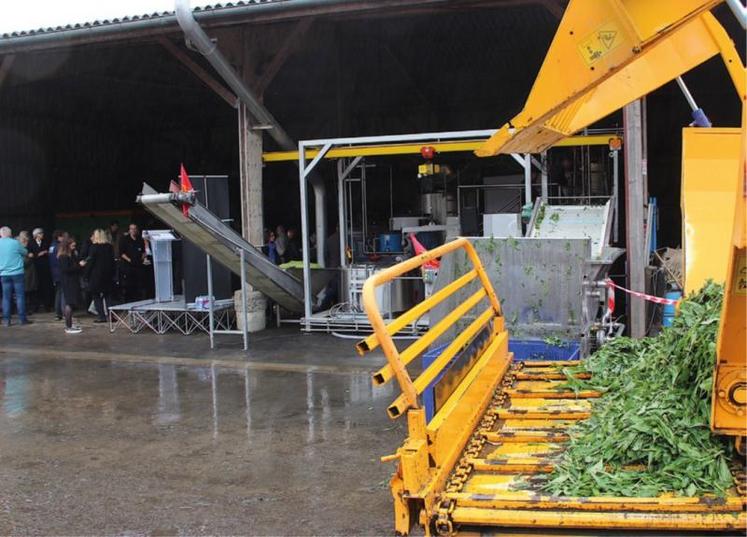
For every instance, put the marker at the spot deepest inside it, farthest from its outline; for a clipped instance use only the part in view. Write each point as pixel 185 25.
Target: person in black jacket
pixel 70 267
pixel 39 247
pixel 132 255
pixel 99 270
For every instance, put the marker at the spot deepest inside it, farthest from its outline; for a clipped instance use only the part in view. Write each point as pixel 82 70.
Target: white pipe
pixel 304 237
pixel 527 179
pixel 686 92
pixel 320 215
pixel 740 12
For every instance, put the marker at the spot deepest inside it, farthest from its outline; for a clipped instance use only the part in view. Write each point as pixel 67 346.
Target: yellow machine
pixel 500 421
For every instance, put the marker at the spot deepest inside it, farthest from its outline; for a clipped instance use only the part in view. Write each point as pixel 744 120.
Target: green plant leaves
pixel 649 433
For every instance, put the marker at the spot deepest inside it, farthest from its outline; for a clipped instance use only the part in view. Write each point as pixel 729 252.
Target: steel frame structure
pixel 357 147
pixel 311 152
pixel 161 318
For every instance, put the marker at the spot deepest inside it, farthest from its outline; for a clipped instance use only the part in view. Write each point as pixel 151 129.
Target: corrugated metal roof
pixel 131 19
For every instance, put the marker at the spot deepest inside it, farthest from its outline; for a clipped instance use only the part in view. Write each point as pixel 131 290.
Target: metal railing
pixel 383 334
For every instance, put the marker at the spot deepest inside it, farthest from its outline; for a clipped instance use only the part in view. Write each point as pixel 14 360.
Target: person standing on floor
pixel 84 254
pixel 39 247
pixel 132 255
pixel 100 271
pixel 281 243
pixel 272 251
pixel 293 249
pixel 12 256
pixel 30 279
pixel 54 269
pixel 116 236
pixel 70 267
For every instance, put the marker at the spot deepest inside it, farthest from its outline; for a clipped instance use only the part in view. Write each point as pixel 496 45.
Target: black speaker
pixel 212 192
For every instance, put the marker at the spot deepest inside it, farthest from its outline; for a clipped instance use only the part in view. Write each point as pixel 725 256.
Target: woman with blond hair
pixel 100 270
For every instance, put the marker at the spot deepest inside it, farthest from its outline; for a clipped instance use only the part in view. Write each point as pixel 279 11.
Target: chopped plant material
pixel 555 341
pixel 649 432
pixel 540 217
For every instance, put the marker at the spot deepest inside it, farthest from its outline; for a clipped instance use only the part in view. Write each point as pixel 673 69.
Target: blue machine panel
pixel 524 349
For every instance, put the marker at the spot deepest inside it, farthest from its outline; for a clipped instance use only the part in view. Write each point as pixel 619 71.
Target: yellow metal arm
pixel 606 54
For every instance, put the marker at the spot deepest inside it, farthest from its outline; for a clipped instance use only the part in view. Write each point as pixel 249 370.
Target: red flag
pixel 186 186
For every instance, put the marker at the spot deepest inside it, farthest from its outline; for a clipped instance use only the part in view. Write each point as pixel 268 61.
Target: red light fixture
pixel 428 152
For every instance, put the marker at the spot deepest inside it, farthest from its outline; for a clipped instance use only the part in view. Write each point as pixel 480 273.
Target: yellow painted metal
pixel 372 341
pixel 529 435
pixel 606 54
pixel 547 375
pixel 512 465
pixel 729 404
pixel 525 449
pixel 504 425
pixel 710 179
pixel 397 362
pixel 424 466
pixel 523 499
pixel 609 519
pixel 434 370
pixel 453 424
pixel 383 375
pixel 414 149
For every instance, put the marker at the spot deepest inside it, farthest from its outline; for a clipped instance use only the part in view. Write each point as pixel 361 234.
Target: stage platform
pixel 177 315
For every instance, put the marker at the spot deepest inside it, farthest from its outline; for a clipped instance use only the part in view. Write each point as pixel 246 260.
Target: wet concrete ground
pixel 158 435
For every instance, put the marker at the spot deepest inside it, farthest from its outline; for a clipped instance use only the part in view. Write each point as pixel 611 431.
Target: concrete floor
pixel 157 435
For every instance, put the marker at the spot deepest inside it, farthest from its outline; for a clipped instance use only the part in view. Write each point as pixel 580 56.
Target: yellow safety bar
pixel 433 447
pixel 382 333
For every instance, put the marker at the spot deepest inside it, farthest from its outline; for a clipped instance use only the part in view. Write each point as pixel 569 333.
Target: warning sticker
pixel 597 45
pixel 739 285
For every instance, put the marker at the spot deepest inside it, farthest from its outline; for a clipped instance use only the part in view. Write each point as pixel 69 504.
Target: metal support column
pixel 303 173
pixel 543 160
pixel 635 213
pixel 304 237
pixel 211 318
pixel 341 210
pixel 244 305
pixel 527 179
pixel 615 154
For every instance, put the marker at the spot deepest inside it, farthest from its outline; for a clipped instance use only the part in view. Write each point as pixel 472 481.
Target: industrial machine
pixel 498 422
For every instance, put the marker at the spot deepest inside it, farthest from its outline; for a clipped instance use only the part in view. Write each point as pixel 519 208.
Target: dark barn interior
pixel 81 126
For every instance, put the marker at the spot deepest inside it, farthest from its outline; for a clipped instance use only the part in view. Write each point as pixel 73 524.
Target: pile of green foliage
pixel 649 433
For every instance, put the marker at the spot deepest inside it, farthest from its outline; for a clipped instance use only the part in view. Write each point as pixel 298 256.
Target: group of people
pixel 57 275
pixel 282 246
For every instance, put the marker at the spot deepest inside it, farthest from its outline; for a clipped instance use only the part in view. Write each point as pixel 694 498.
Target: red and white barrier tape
pixel 644 296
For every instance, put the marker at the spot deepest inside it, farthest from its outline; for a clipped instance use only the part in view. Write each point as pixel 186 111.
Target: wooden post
pixel 635 214
pixel 250 155
pixel 250 189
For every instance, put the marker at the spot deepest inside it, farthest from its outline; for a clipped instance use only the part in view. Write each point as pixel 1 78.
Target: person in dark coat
pixel 31 281
pixel 100 269
pixel 39 248
pixel 54 271
pixel 70 267
pixel 132 255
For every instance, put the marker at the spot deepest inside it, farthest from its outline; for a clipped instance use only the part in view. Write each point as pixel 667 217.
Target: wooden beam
pixel 5 67
pixel 287 48
pixel 199 72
